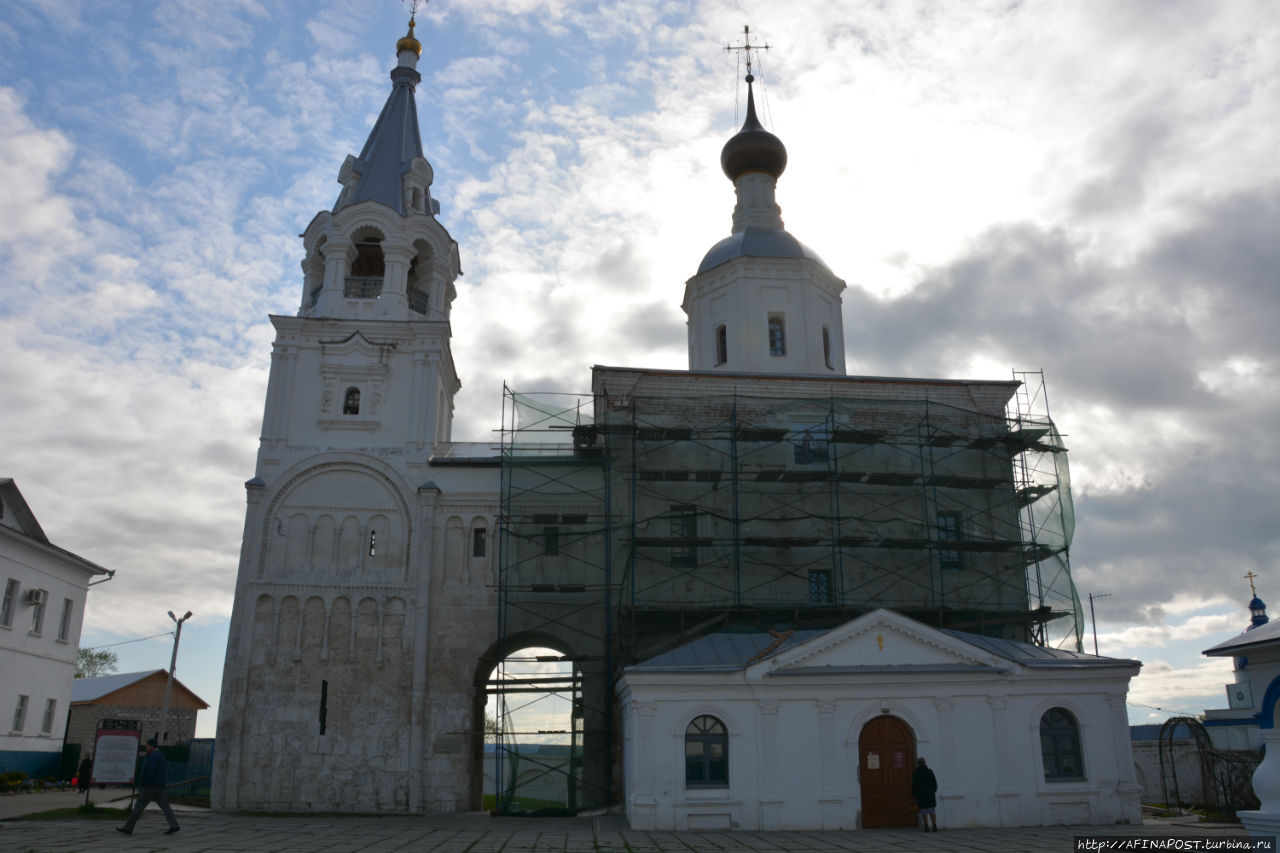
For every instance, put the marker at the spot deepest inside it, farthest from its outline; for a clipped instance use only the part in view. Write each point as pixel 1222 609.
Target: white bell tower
pixel 353 528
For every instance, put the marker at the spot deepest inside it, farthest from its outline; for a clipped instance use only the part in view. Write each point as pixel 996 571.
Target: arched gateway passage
pixel 886 757
pixel 536 745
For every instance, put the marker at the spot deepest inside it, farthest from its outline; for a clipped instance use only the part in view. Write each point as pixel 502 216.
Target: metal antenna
pixel 1093 597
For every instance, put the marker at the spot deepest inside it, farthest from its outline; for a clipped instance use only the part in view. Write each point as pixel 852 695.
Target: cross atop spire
pixel 746 47
pixel 1250 576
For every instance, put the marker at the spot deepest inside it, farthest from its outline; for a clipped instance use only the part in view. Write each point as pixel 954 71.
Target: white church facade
pixel 869 534
pixel 822 729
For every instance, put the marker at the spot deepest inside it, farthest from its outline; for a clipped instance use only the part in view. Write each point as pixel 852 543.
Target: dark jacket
pixel 923 787
pixel 154 771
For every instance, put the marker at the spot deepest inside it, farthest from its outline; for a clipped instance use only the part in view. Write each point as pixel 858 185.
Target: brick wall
pixel 82 723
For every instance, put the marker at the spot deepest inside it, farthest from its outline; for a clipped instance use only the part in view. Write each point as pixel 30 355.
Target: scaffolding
pixel 632 522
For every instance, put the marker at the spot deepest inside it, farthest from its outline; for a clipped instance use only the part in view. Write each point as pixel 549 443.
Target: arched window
pixel 1060 746
pixel 722 344
pixel 826 346
pixel 351 402
pixel 706 753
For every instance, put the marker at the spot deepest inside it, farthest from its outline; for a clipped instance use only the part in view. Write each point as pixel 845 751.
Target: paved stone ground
pixel 208 832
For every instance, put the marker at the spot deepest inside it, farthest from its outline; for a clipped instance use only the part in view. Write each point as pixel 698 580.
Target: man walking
pixel 151 787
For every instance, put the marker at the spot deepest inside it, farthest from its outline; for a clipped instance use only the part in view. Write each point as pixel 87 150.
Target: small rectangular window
pixel 826 346
pixel 478 542
pixel 551 541
pixel 777 334
pixel 20 714
pixel 324 704
pixel 948 531
pixel 64 622
pixel 683 522
pixel 50 708
pixel 373 543
pixel 10 602
pixel 820 586
pixel 722 344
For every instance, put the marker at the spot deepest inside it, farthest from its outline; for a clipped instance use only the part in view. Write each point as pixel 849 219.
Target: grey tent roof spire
pixel 393 143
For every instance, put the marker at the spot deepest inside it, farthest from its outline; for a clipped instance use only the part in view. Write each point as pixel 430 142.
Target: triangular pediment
pixel 884 640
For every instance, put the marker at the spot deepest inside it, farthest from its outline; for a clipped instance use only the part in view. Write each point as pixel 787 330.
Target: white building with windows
pixel 45 588
pixel 821 730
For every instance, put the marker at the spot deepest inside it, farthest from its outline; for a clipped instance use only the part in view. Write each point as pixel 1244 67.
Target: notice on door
pixel 873 761
pixel 899 759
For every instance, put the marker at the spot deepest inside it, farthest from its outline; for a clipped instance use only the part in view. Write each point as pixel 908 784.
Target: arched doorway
pixel 886 757
pixel 532 737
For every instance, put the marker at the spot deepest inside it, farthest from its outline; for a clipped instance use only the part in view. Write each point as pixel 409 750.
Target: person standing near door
pixel 924 787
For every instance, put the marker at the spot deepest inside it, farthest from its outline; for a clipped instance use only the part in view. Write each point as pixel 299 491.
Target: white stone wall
pixel 38 664
pixel 392 648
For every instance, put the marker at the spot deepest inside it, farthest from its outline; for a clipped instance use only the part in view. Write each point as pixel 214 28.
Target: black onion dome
pixel 753 149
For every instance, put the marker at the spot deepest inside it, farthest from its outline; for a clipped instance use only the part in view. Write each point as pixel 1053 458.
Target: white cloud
pixel 32 158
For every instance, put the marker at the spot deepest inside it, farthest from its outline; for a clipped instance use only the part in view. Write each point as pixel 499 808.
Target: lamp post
pixel 173 664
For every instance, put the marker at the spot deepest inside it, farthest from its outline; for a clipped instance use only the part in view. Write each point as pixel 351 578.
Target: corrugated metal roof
pixel 725 650
pixel 88 689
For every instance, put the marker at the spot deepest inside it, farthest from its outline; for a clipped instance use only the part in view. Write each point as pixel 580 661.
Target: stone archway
pixel 522 657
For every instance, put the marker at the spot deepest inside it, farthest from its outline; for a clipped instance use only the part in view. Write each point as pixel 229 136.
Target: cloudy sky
pixel 1089 188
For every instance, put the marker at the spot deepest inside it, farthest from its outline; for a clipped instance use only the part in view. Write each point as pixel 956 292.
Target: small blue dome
pixel 756 242
pixel 1258 608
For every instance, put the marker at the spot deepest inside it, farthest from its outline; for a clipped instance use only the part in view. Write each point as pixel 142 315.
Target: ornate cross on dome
pixel 746 47
pixel 1250 576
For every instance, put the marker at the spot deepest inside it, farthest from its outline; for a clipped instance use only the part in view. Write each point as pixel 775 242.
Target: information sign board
pixel 115 756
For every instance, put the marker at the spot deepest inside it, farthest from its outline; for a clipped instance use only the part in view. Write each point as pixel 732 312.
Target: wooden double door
pixel 886 759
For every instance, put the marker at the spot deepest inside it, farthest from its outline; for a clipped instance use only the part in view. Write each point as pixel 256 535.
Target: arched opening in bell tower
pixel 419 283
pixel 368 267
